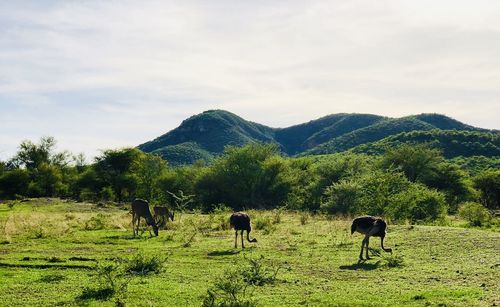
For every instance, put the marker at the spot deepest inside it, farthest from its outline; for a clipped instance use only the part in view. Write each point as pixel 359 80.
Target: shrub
pixel 264 224
pixel 107 194
pixel 474 213
pixel 417 203
pixel 88 195
pixel 342 197
pixel 277 213
pixel 304 218
pixel 97 222
pixel 258 274
pixel 393 261
pixel 52 278
pixel 144 265
pixel 228 290
pixel 110 283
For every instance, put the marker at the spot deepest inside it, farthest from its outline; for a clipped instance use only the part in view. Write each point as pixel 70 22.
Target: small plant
pixel 264 224
pixel 474 213
pixel 228 290
pixel 97 222
pixel 144 265
pixel 101 294
pixel 257 273
pixel 110 284
pixel 37 233
pixel 277 213
pixel 219 217
pixel 393 261
pixel 304 218
pixel 51 278
pixel 189 239
pixel 181 201
pixel 54 259
pixel 418 297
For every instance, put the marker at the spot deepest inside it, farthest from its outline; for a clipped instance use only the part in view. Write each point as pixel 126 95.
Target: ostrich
pixel 241 221
pixel 140 208
pixel 371 227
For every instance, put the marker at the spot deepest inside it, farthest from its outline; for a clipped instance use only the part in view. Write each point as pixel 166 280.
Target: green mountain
pixel 204 136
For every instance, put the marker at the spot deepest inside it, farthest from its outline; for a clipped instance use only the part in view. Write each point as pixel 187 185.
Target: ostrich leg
pixel 367 242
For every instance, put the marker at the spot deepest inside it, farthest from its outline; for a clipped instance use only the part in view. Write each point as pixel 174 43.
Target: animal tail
pixel 353 227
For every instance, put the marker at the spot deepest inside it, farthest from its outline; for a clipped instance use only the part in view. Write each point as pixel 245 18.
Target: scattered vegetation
pixel 298 264
pixel 141 264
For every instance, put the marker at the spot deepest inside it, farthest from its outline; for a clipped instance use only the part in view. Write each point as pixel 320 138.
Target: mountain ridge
pixel 204 135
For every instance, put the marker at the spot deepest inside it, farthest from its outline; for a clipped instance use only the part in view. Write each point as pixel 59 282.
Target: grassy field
pixel 60 253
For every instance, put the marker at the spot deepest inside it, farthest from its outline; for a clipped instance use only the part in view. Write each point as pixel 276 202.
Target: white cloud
pixel 111 73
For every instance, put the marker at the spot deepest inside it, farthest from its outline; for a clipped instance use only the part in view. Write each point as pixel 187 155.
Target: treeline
pixel 410 182
pixel 453 143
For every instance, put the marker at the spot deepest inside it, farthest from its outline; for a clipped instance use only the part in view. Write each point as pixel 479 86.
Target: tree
pixel 14 182
pixel 32 155
pixel 240 180
pixel 115 169
pixel 416 161
pixel 44 166
pixel 149 169
pixel 488 184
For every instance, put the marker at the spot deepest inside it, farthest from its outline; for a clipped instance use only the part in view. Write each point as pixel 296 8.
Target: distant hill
pixel 204 136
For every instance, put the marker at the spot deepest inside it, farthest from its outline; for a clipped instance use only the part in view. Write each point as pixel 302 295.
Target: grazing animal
pixel 140 208
pixel 240 221
pixel 370 226
pixel 161 215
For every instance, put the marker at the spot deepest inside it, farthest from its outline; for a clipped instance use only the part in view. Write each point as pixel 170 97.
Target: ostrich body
pixel 240 221
pixel 140 208
pixel 370 226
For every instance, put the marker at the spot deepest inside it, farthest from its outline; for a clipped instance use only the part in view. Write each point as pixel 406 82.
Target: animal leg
pixel 236 239
pixel 138 224
pixel 362 246
pixel 133 224
pixel 367 242
pixel 242 244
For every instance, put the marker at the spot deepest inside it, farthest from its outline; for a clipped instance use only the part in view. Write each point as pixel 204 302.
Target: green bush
pixel 144 265
pixel 88 195
pixel 97 222
pixel 342 197
pixel 257 273
pixel 416 203
pixel 474 213
pixel 228 290
pixel 107 194
pixel 264 223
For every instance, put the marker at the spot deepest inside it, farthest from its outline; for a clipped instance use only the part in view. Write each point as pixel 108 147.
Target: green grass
pixel 47 257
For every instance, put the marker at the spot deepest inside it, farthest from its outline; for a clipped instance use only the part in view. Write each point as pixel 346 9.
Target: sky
pixel 99 75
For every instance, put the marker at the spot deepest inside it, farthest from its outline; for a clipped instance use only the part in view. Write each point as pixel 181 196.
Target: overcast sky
pixel 107 74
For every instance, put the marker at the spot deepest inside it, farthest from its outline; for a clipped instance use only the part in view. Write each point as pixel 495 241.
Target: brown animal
pixel 371 227
pixel 161 216
pixel 240 221
pixel 140 208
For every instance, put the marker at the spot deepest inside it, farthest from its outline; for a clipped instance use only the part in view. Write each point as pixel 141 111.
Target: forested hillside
pixel 452 143
pixel 204 136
